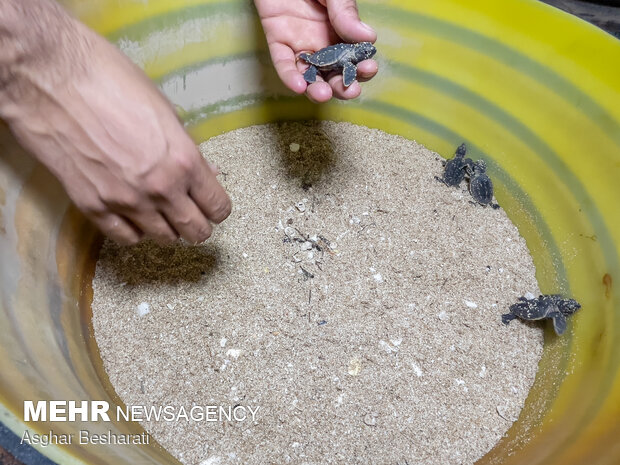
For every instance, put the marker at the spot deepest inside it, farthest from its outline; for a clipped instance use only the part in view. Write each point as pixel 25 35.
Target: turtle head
pixel 480 167
pixel 461 151
pixel 364 51
pixel 568 306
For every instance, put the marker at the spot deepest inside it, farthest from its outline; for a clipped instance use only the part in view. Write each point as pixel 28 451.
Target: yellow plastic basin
pixel 533 91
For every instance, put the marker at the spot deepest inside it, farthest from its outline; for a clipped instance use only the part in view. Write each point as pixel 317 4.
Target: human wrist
pixel 41 48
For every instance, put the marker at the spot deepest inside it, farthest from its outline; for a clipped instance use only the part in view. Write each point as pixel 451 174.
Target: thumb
pixel 345 20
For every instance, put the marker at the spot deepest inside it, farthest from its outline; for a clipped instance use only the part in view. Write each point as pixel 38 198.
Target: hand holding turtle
pixel 293 27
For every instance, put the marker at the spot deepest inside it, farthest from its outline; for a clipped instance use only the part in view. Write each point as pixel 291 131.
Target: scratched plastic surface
pixel 531 90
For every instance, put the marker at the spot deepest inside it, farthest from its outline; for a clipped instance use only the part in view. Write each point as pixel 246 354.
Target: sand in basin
pixel 351 297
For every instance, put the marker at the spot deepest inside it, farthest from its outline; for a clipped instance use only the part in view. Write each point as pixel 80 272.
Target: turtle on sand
pixel 554 307
pixel 454 170
pixel 339 57
pixel 480 185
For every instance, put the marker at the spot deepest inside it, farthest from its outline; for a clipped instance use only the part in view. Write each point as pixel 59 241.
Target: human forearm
pixel 41 45
pixel 97 122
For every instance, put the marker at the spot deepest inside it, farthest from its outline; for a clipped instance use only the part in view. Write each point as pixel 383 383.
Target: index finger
pixel 284 62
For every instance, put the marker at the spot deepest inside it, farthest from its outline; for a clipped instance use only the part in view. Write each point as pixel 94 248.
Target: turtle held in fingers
pixel 339 57
pixel 554 307
pixel 480 185
pixel 454 171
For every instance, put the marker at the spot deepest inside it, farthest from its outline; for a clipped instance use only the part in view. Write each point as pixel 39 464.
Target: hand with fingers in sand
pixel 296 26
pixel 103 129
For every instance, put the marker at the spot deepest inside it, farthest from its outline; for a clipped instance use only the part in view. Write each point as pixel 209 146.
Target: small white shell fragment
pixel 306 245
pixel 300 206
pixel 416 369
pixel 234 353
pixel 340 236
pixel 388 348
pixel 442 315
pixel 459 382
pixel 370 419
pixel 396 341
pixel 529 296
pixel 143 309
pixel 245 255
pixel 355 366
pixel 214 460
pixel 170 306
pixel 483 371
pixel 223 342
pixel 471 304
pixel 378 277
pixel 294 147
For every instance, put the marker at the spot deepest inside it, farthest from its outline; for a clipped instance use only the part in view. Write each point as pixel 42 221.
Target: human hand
pixel 296 26
pixel 118 148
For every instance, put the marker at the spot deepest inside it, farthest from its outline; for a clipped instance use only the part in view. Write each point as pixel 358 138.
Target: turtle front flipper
pixel 349 74
pixel 508 317
pixel 310 74
pixel 559 322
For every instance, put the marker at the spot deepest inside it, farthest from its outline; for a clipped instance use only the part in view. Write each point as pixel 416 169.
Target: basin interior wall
pixel 531 90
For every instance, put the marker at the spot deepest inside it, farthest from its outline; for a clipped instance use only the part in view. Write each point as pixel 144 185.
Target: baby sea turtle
pixel 339 57
pixel 553 306
pixel 454 171
pixel 480 185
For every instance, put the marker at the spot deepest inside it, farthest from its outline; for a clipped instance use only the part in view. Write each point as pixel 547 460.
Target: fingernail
pixel 214 168
pixel 367 27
